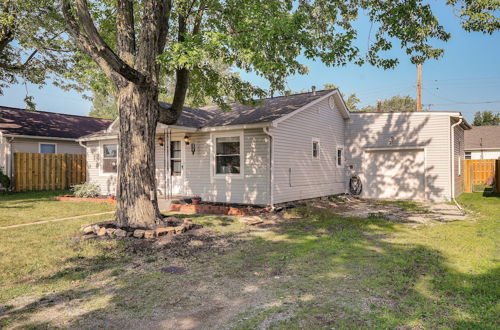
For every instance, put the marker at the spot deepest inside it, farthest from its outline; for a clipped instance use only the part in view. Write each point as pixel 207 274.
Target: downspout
pixel 11 161
pixel 271 167
pixel 453 161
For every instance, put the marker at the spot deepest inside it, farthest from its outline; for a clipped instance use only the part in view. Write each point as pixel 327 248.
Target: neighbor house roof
pixel 15 121
pixel 482 137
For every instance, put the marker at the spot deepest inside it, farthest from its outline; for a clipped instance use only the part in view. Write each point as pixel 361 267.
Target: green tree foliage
pixel 32 46
pixel 478 15
pixel 395 103
pixel 486 118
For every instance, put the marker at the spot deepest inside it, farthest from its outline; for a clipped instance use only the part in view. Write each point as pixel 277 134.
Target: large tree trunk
pixel 136 189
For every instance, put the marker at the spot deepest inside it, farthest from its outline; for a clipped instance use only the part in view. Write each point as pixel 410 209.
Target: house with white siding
pixel 296 147
pixel 46 132
pixel 482 142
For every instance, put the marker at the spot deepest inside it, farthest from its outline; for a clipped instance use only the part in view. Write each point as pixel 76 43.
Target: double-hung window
pixel 109 158
pixel 228 155
pixel 468 155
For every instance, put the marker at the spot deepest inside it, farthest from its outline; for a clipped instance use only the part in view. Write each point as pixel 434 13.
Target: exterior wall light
pixel 187 139
pixel 161 141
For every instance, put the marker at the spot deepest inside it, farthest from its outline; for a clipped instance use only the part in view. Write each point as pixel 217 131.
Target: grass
pixel 315 270
pixel 25 207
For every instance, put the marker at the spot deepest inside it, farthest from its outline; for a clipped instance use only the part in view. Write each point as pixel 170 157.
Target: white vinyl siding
pixel 250 188
pixel 33 146
pixel 394 130
pixel 253 188
pixel 296 174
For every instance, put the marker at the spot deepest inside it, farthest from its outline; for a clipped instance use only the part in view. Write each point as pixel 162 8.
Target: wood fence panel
pixel 34 171
pixel 478 171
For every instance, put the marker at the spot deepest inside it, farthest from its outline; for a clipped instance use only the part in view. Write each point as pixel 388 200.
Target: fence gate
pixel 478 175
pixel 34 171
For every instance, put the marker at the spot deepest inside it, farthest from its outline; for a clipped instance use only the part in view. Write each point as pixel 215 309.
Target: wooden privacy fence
pixel 477 173
pixel 33 171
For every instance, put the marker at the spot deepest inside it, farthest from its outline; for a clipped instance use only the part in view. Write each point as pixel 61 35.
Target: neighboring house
pixel 296 147
pixel 482 142
pixel 42 132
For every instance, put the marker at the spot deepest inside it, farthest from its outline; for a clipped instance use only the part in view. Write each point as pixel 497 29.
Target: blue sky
pixel 467 74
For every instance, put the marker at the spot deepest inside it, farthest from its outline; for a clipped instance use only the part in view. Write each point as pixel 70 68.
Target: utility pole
pixel 419 87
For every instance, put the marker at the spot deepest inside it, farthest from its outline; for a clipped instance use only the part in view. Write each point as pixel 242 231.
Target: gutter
pixel 452 132
pixel 39 137
pixel 271 167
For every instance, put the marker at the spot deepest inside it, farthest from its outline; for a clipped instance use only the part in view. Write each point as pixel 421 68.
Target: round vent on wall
pixel 331 102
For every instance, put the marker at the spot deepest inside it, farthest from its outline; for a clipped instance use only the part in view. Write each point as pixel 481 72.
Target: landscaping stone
pixel 101 232
pixel 139 233
pixel 149 234
pixel 110 231
pixel 164 231
pixel 120 233
pixel 88 230
pixel 130 233
pixel 180 229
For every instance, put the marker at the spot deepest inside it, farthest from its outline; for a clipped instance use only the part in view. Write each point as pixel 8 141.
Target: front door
pixel 176 168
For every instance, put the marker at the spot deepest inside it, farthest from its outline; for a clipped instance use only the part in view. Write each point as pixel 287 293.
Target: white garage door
pixel 396 174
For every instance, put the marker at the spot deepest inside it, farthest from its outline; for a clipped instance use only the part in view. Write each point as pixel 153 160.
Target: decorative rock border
pixel 214 209
pixel 108 228
pixel 107 200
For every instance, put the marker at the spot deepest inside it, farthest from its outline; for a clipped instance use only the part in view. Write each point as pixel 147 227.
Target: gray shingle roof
pixel 482 137
pixel 265 111
pixel 17 121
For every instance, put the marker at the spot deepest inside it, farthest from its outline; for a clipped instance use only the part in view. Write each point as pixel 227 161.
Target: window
pixel 227 155
pixel 175 158
pixel 109 158
pixel 468 155
pixel 340 156
pixel 315 148
pixel 47 148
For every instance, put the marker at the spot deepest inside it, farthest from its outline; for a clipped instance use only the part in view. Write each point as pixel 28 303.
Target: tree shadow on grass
pixel 317 271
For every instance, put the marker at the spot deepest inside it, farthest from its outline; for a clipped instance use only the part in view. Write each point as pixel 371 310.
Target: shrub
pixel 4 179
pixel 86 190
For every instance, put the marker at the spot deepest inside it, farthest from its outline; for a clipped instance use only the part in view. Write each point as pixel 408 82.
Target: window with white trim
pixel 175 158
pixel 109 158
pixel 315 149
pixel 47 148
pixel 468 155
pixel 227 155
pixel 340 156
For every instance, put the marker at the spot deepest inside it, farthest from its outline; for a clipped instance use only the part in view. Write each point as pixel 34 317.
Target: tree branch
pixel 126 30
pixel 164 23
pixel 91 42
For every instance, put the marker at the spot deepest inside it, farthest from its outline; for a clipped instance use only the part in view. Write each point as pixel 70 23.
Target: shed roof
pixel 482 137
pixel 15 121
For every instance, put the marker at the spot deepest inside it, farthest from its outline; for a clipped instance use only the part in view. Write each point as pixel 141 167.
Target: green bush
pixel 4 179
pixel 86 190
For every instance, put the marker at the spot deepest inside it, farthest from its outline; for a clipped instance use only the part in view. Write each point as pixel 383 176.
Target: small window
pixel 109 155
pixel 175 158
pixel 468 155
pixel 340 157
pixel 47 148
pixel 315 149
pixel 227 155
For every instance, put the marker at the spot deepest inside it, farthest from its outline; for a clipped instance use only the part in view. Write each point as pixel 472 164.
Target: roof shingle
pixel 482 137
pixel 17 121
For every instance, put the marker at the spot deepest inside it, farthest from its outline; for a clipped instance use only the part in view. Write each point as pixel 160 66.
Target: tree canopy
pixel 486 118
pixel 395 103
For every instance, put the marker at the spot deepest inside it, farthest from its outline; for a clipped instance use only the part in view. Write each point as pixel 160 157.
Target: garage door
pixel 394 174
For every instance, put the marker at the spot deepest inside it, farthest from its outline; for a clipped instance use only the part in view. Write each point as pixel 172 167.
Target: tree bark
pixel 136 187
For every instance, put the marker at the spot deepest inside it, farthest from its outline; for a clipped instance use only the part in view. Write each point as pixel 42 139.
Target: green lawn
pixel 16 208
pixel 314 270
